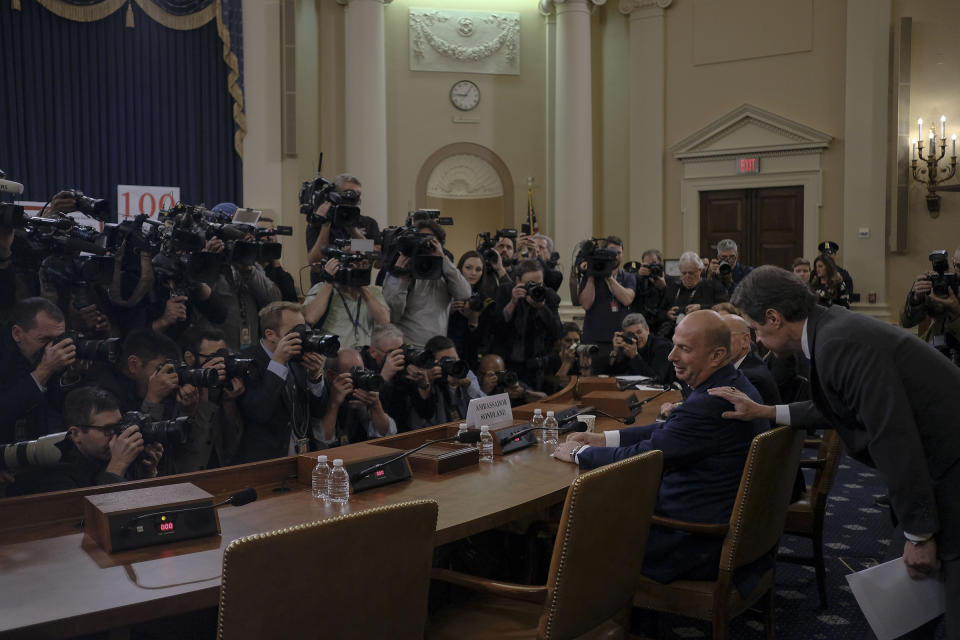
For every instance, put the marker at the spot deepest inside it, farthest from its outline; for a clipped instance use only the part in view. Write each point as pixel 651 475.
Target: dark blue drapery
pixel 90 105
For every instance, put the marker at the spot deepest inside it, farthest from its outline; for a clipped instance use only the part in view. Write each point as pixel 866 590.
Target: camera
pixel 416 246
pixel 536 291
pixel 453 368
pixel 237 367
pixel 12 215
pixel 165 432
pixel 417 357
pixel 96 208
pixel 42 452
pixel 326 344
pixel 354 268
pixel 589 349
pixel 594 261
pixel 107 350
pixel 344 209
pixel 421 215
pixel 506 378
pixel 655 268
pixel 628 337
pixel 725 267
pixel 365 379
pixel 942 281
pixel 204 378
pixel 478 301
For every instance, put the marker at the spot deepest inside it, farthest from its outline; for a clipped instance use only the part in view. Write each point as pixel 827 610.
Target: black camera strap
pixel 355 321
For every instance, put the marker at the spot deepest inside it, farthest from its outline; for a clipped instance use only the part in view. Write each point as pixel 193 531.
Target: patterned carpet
pixel 856 535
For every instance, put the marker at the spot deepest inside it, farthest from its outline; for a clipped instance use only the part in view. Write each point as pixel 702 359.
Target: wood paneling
pixel 766 224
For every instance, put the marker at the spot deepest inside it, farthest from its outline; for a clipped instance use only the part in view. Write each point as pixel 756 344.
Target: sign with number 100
pixel 132 200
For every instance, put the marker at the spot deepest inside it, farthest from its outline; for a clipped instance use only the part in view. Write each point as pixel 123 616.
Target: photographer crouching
pixel 527 323
pixel 934 297
pixel 353 411
pixel 33 361
pixel 99 447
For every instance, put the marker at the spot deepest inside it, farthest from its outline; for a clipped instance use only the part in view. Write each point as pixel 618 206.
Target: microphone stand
pixel 380 465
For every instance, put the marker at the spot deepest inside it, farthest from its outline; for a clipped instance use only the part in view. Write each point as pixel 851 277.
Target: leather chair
pixel 753 532
pixel 360 575
pixel 593 573
pixel 805 517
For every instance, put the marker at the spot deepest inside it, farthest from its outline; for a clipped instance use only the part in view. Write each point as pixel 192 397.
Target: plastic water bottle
pixel 551 432
pixel 321 478
pixel 535 422
pixel 339 491
pixel 486 444
pixel 462 430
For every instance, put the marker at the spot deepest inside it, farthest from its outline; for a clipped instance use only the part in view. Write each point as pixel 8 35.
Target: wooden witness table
pixel 55 582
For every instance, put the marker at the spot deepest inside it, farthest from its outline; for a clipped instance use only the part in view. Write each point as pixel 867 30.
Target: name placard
pixel 492 410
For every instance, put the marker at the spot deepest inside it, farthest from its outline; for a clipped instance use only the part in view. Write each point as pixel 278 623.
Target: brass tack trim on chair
pixel 300 527
pixel 735 530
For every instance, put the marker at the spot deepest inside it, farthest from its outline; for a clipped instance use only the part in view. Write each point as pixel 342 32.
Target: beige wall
pixel 934 91
pixel 806 87
pixel 420 116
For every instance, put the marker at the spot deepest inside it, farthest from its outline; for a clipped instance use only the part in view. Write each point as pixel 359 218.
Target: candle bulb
pixel 953 138
pixel 920 128
pixel 943 127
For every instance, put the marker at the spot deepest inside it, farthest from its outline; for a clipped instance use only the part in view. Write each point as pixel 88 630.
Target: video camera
pixel 354 268
pixel 486 243
pixel 344 209
pixel 942 281
pixel 594 261
pixel 409 242
pixel 96 208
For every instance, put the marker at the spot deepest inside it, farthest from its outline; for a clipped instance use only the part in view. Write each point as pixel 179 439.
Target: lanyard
pixel 354 321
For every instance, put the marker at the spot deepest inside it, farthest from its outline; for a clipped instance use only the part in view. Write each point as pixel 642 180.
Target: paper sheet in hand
pixel 894 603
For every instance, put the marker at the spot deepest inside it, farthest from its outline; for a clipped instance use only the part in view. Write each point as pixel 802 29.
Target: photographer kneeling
pixel 439 390
pixel 638 353
pixel 353 411
pixel 95 450
pixel 495 379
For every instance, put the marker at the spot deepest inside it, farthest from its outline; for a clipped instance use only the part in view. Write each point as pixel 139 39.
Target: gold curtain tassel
pixel 129 16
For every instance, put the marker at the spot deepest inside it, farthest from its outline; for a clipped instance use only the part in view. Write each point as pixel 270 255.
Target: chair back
pixel 760 510
pixel 360 575
pixel 829 451
pixel 598 554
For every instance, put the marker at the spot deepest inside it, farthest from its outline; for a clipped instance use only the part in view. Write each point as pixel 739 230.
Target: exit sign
pixel 748 165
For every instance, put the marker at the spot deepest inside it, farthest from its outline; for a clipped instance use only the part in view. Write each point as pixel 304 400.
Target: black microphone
pixel 467 437
pixel 635 406
pixel 238 499
pixel 569 426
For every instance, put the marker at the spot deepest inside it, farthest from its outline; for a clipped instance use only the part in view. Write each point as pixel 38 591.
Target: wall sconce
pixel 933 174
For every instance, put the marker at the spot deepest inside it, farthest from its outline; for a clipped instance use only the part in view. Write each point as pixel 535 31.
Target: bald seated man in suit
pixel 703 453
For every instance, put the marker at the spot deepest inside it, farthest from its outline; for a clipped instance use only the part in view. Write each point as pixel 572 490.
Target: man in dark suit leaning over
pixel 891 398
pixel 703 454
pixel 276 406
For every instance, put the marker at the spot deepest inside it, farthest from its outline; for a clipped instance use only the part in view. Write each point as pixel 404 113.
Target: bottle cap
pixel 321 458
pixel 484 428
pixel 463 425
pixel 537 412
pixel 338 462
pixel 549 414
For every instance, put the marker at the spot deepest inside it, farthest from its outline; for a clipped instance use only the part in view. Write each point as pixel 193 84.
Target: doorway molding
pixel 788 152
pixel 473 174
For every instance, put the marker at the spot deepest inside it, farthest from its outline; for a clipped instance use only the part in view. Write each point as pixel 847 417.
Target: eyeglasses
pixel 107 429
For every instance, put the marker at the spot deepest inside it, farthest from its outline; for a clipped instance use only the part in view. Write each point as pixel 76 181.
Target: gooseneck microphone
pixel 238 499
pixel 468 437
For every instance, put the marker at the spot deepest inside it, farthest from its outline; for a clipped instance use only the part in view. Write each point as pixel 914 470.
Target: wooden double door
pixel 766 224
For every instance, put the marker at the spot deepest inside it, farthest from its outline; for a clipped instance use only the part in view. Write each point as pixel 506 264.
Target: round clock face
pixel 465 95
